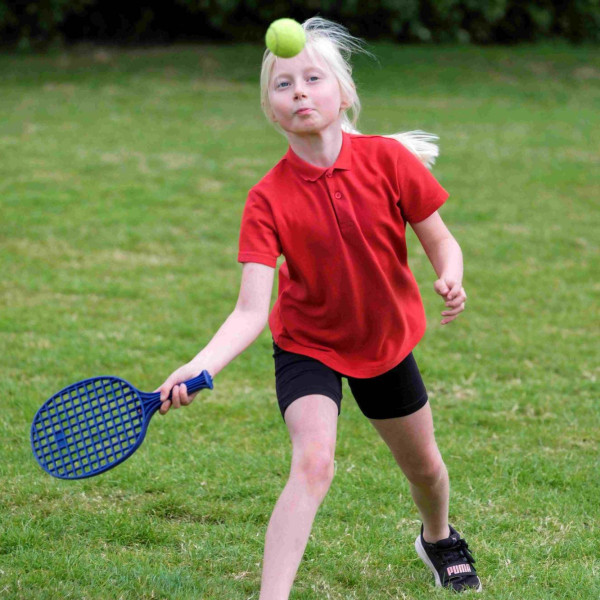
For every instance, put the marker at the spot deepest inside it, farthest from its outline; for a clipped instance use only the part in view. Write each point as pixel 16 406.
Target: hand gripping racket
pixel 93 425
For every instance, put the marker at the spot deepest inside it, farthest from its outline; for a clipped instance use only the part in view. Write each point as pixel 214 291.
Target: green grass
pixel 123 176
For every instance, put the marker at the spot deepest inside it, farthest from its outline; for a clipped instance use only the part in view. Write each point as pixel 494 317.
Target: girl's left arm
pixel 445 255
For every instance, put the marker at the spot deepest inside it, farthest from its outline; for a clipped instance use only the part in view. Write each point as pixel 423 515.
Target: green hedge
pixel 38 23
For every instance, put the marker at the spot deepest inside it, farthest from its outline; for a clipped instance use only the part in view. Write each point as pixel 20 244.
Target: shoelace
pixel 456 553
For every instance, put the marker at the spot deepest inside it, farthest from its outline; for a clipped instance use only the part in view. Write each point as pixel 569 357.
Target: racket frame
pixel 52 425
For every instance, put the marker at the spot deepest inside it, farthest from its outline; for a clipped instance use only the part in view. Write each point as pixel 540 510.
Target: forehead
pixel 303 61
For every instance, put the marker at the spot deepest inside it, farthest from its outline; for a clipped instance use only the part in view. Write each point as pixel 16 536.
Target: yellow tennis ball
pixel 285 38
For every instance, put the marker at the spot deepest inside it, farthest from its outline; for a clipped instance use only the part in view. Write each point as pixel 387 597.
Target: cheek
pixel 273 109
pixel 331 106
pixel 332 98
pixel 277 101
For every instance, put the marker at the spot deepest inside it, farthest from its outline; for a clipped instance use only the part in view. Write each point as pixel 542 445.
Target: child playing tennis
pixel 336 206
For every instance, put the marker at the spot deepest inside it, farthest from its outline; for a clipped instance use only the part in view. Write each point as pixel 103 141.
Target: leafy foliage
pixel 39 23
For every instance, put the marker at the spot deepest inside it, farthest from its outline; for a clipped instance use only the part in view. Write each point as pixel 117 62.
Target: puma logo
pixel 454 570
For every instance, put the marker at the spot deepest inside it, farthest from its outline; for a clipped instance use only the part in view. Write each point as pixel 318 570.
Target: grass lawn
pixel 123 175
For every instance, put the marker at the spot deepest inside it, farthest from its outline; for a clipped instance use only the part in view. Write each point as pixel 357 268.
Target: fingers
pixel 179 398
pixel 164 390
pixel 452 292
pixel 455 290
pixel 440 287
pixel 454 310
pixel 450 315
pixel 455 303
pixel 173 393
pixel 447 320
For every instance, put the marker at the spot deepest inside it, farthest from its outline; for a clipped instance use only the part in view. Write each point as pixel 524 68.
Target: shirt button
pixel 338 195
pixel 329 174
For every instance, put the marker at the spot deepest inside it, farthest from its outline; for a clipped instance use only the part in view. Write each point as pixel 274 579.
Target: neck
pixel 320 149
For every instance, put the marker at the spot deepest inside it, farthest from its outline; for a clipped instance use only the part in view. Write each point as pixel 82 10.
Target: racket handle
pixel 204 380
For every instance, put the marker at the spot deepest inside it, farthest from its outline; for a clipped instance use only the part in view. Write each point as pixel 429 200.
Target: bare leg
pixel 312 423
pixel 413 445
pixel 432 502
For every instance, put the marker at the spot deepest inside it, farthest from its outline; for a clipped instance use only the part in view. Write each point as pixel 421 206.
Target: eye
pixel 280 84
pixel 313 77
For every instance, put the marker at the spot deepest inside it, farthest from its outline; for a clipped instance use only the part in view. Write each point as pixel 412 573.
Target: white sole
pixel 423 556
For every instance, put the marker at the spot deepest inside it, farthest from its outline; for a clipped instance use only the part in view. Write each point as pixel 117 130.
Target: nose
pixel 299 92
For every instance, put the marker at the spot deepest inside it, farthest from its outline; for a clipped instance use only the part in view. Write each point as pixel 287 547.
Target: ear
pixel 346 102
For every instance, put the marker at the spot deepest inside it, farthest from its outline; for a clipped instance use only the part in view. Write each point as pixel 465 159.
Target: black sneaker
pixel 450 561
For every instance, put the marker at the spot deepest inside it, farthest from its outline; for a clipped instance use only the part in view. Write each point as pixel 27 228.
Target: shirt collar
pixel 311 172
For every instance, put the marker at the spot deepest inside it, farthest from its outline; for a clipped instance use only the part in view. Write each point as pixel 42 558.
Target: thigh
pixel 312 424
pixel 297 376
pixel 397 393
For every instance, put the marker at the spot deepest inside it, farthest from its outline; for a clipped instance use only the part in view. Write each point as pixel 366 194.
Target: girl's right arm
pixel 239 331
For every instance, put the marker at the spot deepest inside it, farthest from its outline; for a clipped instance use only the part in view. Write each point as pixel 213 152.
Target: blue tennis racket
pixel 93 425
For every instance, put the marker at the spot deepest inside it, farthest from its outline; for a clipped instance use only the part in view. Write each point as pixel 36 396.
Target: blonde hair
pixel 334 45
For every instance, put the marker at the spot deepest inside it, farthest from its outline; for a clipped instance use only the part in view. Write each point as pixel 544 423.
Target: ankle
pixel 431 536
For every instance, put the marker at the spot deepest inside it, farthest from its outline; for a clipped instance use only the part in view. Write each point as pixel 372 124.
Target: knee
pixel 427 473
pixel 314 467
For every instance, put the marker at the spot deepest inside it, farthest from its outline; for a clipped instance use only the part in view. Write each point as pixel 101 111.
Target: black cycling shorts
pixel 396 393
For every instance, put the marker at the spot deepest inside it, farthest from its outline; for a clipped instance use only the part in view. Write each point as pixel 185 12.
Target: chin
pixel 308 128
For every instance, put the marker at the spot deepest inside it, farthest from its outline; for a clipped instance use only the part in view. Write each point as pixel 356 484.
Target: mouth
pixel 303 111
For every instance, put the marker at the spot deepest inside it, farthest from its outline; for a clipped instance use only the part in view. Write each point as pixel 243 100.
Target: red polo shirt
pixel 346 294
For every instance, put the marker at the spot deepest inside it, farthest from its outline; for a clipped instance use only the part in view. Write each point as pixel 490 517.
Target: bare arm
pixel 244 324
pixel 239 331
pixel 445 256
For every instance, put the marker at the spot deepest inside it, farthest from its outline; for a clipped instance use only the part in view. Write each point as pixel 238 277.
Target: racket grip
pixel 202 381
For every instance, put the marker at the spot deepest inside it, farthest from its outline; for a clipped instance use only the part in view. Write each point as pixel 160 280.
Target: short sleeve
pixel 258 241
pixel 420 193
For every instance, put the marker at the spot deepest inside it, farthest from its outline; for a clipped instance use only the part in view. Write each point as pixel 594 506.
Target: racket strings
pixel 87 427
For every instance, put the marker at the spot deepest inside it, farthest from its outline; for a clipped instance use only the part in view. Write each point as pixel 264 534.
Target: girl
pixel 336 206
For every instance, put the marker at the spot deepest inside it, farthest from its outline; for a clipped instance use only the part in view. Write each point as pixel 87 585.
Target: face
pixel 301 83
